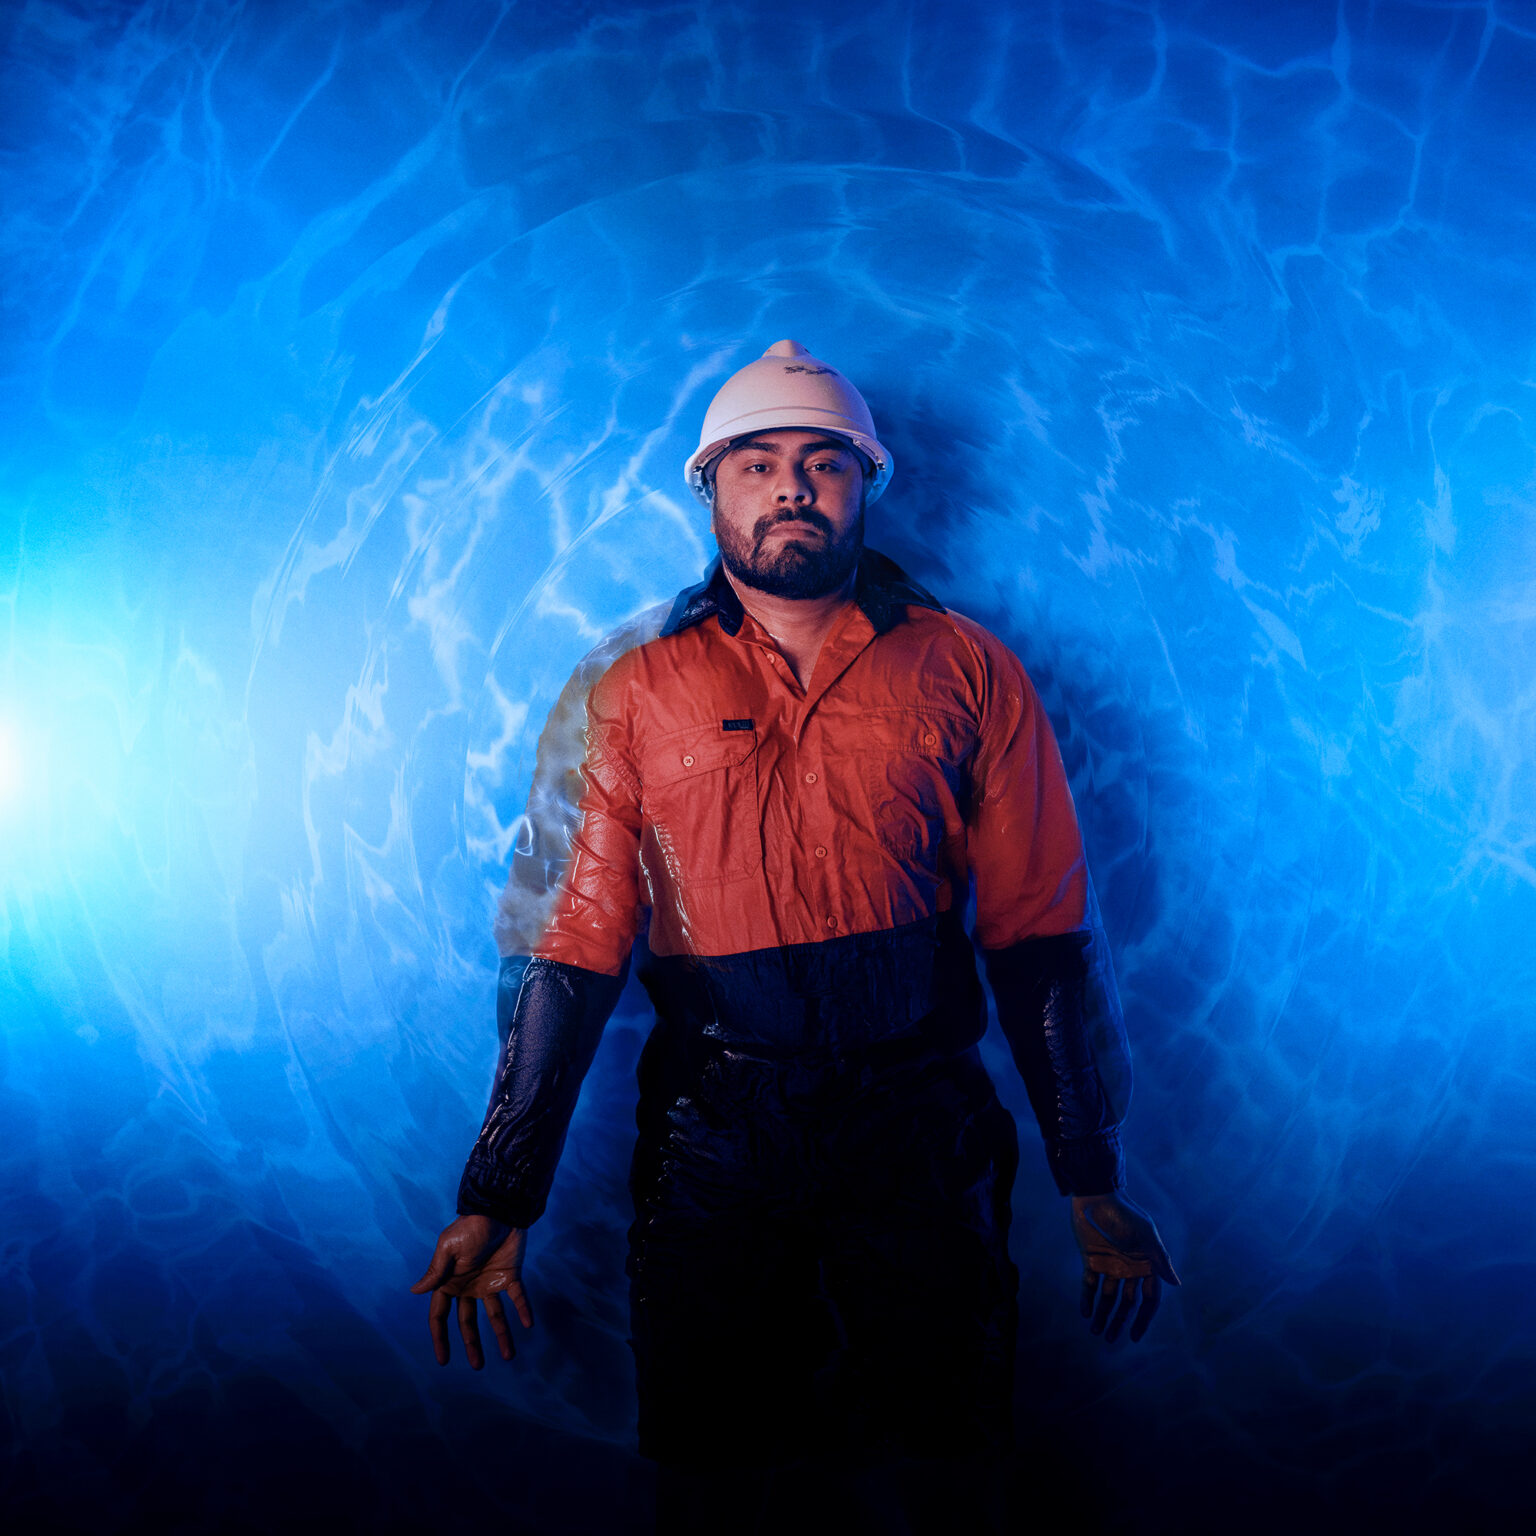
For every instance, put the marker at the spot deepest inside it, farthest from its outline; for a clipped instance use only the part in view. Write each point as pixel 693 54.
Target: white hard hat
pixel 785 387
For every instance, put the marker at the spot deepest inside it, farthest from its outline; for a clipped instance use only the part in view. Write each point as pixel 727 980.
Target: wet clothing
pixel 788 867
pixel 794 864
pixel 819 1259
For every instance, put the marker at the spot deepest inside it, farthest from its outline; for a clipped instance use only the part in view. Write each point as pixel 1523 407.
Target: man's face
pixel 789 512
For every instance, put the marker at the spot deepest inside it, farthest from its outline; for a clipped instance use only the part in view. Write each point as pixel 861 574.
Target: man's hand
pixel 1121 1250
pixel 476 1258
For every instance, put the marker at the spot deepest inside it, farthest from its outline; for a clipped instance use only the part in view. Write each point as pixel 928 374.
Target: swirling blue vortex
pixel 350 353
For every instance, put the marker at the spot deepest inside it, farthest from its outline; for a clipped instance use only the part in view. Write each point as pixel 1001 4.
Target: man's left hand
pixel 1123 1261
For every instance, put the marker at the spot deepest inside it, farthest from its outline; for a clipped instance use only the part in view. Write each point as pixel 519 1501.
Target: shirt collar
pixel 881 589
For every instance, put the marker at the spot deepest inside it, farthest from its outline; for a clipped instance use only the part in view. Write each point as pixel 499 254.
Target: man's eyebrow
pixel 772 447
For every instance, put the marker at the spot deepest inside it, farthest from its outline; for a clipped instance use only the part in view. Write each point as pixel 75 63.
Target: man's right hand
pixel 1121 1250
pixel 476 1258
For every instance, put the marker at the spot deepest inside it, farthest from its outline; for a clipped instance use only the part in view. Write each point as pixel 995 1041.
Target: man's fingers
pixel 499 1325
pixel 519 1299
pixel 437 1321
pixel 1123 1311
pixel 469 1331
pixel 1090 1289
pixel 1151 1294
pixel 1108 1296
pixel 1164 1265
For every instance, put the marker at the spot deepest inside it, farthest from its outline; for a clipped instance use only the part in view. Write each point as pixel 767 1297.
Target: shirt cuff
pixel 482 1194
pixel 1087 1165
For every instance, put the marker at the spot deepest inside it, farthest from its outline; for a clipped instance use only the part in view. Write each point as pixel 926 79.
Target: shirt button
pixel 821 852
pixel 930 740
pixel 810 778
pixel 688 761
pixel 831 922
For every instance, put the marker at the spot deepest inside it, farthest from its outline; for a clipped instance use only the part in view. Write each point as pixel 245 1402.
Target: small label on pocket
pixel 735 725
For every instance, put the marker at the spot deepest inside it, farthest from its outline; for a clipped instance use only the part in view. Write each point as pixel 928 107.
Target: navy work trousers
pixel 819 1260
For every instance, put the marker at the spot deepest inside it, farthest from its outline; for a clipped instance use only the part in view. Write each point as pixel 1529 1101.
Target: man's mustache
pixel 766 525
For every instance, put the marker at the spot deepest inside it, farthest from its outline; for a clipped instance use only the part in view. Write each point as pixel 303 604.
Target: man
pixel 790 783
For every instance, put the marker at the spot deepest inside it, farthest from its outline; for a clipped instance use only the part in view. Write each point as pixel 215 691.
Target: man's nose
pixel 793 486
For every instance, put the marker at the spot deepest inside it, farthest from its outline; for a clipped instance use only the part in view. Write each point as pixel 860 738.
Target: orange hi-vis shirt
pixel 746 812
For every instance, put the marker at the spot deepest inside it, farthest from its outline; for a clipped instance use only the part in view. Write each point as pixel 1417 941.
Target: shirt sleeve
pixel 596 910
pixel 554 1002
pixel 1037 925
pixel 555 1029
pixel 543 837
pixel 1025 851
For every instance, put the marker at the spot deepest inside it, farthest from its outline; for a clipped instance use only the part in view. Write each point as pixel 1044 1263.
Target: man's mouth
pixel 794 525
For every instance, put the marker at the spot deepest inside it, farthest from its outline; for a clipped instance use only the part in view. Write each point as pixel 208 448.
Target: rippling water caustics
pixel 350 356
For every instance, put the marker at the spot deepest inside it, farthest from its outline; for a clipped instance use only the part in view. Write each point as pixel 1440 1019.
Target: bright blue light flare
pixel 12 778
pixel 352 361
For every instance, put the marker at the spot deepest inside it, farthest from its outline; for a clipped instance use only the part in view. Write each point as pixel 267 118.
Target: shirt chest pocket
pixel 912 770
pixel 699 797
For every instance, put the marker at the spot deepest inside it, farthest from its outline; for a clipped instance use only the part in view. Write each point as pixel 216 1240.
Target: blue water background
pixel 350 353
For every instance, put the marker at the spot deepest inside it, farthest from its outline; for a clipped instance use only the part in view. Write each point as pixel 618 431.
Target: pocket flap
pixel 699 749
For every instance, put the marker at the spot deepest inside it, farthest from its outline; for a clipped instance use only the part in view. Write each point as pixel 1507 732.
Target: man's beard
pixel 815 566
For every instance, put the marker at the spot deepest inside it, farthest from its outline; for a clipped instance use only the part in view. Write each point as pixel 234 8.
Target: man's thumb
pixel 442 1267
